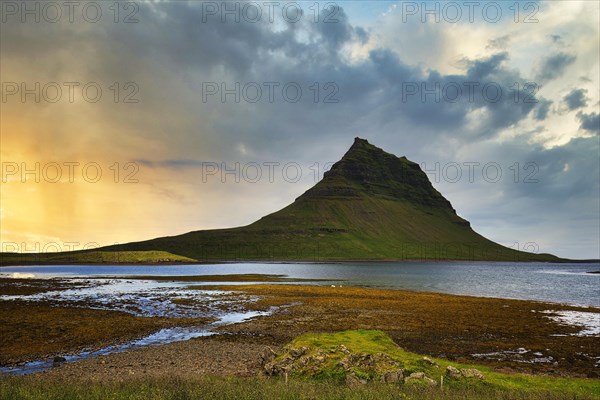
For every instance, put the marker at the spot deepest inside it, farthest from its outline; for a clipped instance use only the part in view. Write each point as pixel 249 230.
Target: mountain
pixel 371 205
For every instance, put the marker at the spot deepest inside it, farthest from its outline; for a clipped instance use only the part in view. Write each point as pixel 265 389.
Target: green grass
pixel 377 343
pixel 214 388
pixel 94 257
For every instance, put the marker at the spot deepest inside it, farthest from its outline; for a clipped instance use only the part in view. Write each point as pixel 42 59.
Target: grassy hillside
pixel 371 205
pixel 325 230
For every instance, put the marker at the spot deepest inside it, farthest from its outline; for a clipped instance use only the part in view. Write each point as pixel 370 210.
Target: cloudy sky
pixel 122 123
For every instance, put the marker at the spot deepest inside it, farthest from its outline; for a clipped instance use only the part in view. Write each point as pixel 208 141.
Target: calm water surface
pixel 559 283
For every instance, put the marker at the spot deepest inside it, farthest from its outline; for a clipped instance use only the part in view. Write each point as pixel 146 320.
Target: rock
pixel 419 377
pixel 362 359
pixel 429 361
pixel 299 352
pixel 384 360
pixel 280 367
pixel 430 381
pixel 345 364
pixel 416 375
pixel 267 355
pixel 393 376
pixel 472 373
pixel 452 372
pixel 320 358
pixel 58 360
pixel 343 349
pixel 370 361
pixel 354 381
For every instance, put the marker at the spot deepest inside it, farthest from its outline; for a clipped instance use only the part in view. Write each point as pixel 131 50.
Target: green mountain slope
pixel 371 205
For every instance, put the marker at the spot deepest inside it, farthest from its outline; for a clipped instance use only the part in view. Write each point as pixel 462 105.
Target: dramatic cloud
pixel 542 109
pixel 576 99
pixel 589 122
pixel 220 99
pixel 554 66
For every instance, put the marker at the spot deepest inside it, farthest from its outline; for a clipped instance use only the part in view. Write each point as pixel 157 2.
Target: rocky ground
pixel 220 355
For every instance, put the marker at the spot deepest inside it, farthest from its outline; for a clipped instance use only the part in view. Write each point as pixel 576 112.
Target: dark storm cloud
pixel 554 190
pixel 542 109
pixel 202 40
pixel 335 34
pixel 444 101
pixel 482 69
pixel 376 86
pixel 177 41
pixel 554 66
pixel 564 172
pixel 575 99
pixel 589 122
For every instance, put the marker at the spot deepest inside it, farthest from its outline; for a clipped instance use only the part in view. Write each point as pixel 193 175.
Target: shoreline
pixel 284 261
pixel 258 279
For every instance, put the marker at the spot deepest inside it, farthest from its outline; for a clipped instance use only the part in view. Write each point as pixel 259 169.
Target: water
pixel 558 283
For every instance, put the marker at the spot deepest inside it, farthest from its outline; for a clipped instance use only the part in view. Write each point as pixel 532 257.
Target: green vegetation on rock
pixel 363 357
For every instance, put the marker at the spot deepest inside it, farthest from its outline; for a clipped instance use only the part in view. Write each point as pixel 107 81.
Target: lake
pixel 558 283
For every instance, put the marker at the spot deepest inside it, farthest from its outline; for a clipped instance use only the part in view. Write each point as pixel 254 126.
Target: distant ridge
pixel 371 205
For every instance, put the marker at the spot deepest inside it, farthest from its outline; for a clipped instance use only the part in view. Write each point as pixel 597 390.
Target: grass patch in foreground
pixel 298 386
pixel 23 388
pixel 333 365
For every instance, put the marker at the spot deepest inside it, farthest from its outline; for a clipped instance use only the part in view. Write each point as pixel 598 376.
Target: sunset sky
pixel 163 150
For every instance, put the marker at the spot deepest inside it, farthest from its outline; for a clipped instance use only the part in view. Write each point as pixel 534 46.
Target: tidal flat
pixel 512 335
pixel 32 331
